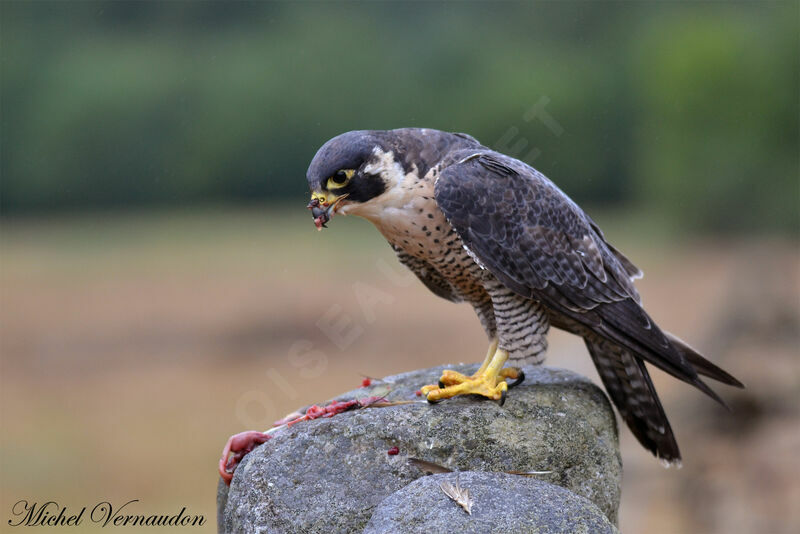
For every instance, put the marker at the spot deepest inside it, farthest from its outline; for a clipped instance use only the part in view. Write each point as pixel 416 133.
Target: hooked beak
pixel 323 206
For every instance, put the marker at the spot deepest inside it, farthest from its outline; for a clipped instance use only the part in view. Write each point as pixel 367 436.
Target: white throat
pixel 399 192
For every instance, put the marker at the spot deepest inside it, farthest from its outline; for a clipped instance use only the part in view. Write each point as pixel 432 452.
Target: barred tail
pixel 628 383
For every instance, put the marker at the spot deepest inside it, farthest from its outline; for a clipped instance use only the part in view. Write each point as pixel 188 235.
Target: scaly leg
pixel 451 378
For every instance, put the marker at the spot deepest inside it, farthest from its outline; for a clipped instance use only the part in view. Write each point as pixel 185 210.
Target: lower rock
pixel 500 503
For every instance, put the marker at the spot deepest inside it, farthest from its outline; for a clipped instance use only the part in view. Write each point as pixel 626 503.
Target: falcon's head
pixel 351 169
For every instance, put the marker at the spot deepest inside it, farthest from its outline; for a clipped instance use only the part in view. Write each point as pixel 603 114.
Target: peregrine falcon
pixel 477 226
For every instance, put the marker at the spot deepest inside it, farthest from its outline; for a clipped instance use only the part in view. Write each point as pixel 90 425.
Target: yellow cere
pixel 325 198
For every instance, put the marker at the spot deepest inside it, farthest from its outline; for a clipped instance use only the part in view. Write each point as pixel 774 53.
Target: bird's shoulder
pixel 527 231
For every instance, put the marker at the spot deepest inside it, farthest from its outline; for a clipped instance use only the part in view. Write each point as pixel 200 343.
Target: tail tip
pixel 668 463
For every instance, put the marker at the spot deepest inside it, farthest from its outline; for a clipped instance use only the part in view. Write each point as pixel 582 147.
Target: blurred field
pixel 133 345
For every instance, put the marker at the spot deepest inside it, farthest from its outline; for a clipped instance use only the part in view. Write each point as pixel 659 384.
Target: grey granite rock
pixel 501 503
pixel 329 475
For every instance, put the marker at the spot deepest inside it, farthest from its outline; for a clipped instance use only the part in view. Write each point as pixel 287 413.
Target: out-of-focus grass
pixel 262 234
pixel 131 344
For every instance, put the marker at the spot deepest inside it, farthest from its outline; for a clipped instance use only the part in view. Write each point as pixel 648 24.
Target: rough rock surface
pixel 501 503
pixel 329 475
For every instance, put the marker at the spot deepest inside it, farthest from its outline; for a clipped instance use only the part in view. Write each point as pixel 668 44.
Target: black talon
pixel 518 381
pixel 441 385
pixel 502 398
pixel 427 398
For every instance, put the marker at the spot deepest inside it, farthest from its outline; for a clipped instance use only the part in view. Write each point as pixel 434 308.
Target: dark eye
pixel 339 178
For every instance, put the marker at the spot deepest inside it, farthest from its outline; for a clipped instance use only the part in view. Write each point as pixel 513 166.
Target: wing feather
pixel 541 245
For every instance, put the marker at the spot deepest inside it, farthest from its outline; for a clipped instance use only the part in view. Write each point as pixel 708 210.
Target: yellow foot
pixel 452 378
pixel 485 386
pixel 488 381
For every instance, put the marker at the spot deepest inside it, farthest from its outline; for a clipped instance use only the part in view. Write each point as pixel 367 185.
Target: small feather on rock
pixel 460 495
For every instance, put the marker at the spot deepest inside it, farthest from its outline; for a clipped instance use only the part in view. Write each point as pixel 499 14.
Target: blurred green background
pixel 689 109
pixel 157 264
